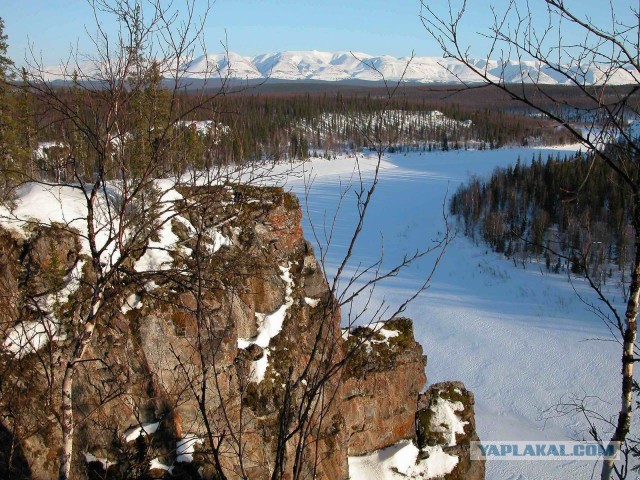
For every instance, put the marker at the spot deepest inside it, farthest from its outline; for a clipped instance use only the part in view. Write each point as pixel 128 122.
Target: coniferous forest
pixel 562 215
pixel 250 126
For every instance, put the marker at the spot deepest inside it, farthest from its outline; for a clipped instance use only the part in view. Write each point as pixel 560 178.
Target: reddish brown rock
pixel 173 358
pixel 430 432
pixel 381 387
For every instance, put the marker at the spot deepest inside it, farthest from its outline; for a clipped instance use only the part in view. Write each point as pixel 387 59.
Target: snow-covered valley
pixel 523 342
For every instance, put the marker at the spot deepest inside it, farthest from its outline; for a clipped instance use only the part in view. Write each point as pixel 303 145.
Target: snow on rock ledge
pixel 445 426
pixel 445 421
pixel 269 325
pixel 383 380
pixel 401 461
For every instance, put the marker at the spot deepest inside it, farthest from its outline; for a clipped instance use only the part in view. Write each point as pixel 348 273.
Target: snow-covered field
pixel 521 341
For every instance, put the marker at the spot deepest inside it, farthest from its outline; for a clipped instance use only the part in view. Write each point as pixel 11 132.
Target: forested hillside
pixel 247 127
pixel 562 214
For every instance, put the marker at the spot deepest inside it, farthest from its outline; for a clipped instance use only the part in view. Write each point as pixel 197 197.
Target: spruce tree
pixel 6 124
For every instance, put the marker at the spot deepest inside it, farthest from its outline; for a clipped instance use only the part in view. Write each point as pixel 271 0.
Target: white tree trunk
pixel 629 339
pixel 68 425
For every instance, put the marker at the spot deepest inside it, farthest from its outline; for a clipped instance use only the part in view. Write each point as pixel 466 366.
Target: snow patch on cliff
pixel 30 336
pixel 218 241
pixel 90 458
pixel 268 327
pixel 186 447
pixel 445 420
pixel 141 431
pixel 312 302
pixel 400 461
pixel 133 302
pixel 156 257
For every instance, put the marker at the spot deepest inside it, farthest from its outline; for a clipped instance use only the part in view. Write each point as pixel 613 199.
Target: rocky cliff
pixel 445 420
pixel 227 362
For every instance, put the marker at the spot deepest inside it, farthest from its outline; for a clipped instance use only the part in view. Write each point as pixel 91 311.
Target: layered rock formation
pixel 229 362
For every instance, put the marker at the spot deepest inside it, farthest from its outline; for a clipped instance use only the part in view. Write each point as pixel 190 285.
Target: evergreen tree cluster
pixel 569 214
pixel 248 128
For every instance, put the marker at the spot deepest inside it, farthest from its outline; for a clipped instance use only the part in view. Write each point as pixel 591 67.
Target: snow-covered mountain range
pixel 327 66
pixel 340 66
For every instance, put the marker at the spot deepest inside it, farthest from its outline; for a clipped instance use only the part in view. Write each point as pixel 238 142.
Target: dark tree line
pixel 247 127
pixel 284 126
pixel 563 214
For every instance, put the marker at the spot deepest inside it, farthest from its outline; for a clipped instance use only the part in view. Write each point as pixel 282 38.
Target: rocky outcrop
pixel 230 360
pixel 445 418
pixel 381 384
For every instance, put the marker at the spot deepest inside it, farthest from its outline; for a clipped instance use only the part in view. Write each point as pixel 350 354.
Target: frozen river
pixel 521 341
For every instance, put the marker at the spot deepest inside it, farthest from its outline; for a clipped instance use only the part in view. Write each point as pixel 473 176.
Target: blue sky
pixel 261 26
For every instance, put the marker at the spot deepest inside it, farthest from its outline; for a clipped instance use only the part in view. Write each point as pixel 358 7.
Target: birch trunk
pixel 68 425
pixel 629 339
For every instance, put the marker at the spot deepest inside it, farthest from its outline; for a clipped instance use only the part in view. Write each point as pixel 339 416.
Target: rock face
pixel 231 361
pixel 383 380
pixel 445 417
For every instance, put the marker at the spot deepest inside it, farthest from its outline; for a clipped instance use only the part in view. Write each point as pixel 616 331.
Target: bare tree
pixel 126 160
pixel 123 125
pixel 601 55
pixel 303 407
